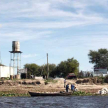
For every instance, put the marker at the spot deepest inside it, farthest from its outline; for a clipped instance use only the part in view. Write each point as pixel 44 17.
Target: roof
pixel 15 51
pixel 71 74
pixel 1 64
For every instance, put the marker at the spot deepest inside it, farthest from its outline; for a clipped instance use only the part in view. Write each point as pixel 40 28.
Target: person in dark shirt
pixel 67 87
pixel 72 87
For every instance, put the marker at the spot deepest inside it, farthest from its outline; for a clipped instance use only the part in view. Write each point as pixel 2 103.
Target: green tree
pixel 51 69
pixel 32 69
pixel 66 67
pixel 99 58
pixel 62 70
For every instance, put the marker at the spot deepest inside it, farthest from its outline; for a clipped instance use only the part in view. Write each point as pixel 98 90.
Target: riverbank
pixel 21 87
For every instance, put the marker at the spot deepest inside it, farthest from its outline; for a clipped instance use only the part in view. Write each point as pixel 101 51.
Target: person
pixel 75 89
pixel 72 87
pixel 64 83
pixel 67 87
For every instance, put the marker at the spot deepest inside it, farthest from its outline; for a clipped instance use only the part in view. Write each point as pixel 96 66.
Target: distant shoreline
pixel 21 87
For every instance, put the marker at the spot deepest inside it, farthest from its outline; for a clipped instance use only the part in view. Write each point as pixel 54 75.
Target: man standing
pixel 67 87
pixel 64 83
pixel 72 87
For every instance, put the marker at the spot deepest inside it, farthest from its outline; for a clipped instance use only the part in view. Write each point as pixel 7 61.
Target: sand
pixel 23 86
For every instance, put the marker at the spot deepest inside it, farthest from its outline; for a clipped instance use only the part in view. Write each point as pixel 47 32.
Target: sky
pixel 61 28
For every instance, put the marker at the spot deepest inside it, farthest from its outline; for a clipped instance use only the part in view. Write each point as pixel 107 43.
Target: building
pixel 6 71
pixel 100 72
pixel 71 76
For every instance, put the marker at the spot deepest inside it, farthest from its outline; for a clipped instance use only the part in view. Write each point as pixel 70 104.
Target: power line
pixel 39 59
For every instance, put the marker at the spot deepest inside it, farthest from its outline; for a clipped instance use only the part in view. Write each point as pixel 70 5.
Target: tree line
pixel 98 58
pixel 61 70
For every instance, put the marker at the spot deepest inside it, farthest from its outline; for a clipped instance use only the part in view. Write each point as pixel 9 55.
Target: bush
pixel 80 93
pixel 79 81
pixel 38 82
pixel 86 81
pixel 106 79
pixel 50 80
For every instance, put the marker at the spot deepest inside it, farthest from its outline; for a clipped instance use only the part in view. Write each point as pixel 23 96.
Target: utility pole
pixel 47 67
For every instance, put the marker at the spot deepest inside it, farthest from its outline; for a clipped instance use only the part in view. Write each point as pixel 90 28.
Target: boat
pixel 50 94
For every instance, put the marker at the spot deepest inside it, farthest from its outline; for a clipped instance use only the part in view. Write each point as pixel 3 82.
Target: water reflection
pixel 52 102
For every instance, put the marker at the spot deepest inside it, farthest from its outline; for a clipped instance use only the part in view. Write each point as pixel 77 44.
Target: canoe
pixel 49 94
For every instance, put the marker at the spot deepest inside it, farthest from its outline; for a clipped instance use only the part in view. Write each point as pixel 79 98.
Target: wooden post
pixel 47 67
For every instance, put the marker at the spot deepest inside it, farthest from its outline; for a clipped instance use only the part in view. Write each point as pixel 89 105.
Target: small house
pixel 71 76
pixel 5 71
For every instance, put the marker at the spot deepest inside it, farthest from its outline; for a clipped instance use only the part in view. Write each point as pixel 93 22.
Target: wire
pixel 39 59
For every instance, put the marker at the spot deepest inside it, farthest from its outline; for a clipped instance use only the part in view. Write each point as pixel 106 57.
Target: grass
pixel 10 94
pixel 80 93
pixel 77 93
pixel 50 80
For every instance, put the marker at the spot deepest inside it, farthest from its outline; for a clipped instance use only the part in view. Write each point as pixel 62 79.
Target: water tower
pixel 15 56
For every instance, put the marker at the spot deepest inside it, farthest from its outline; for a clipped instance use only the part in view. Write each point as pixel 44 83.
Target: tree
pixel 32 69
pixel 66 67
pixel 81 74
pixel 61 70
pixel 99 58
pixel 51 69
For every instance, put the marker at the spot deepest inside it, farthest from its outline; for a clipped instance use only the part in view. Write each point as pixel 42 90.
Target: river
pixel 55 102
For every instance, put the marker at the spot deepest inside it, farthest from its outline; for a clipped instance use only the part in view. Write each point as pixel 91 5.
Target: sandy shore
pixel 23 86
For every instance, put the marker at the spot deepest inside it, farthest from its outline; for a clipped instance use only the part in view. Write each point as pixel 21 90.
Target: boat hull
pixel 49 94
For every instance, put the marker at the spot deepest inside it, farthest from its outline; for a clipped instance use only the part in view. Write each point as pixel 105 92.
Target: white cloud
pixel 25 20
pixel 50 9
pixel 29 55
pixel 56 24
pixel 24 36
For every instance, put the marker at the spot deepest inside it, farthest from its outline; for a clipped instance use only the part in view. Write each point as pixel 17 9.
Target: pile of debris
pixel 94 80
pixel 103 91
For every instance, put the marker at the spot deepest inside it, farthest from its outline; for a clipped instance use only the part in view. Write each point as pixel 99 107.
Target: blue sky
pixel 62 28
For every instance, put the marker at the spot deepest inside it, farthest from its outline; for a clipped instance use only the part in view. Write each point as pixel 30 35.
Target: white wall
pixel 6 71
pixel 100 75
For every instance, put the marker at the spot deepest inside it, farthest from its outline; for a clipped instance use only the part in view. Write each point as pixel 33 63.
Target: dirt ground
pixel 23 86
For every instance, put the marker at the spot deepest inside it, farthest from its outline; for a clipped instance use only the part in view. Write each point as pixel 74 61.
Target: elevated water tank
pixel 15 46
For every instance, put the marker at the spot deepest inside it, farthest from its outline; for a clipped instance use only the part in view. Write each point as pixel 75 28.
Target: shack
pixel 5 71
pixel 71 76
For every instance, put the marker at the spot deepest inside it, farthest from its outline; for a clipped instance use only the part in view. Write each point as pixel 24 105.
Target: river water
pixel 55 102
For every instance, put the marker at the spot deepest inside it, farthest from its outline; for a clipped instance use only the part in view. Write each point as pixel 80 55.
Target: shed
pixel 6 71
pixel 71 76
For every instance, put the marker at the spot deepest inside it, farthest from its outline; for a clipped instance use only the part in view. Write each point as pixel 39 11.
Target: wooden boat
pixel 50 94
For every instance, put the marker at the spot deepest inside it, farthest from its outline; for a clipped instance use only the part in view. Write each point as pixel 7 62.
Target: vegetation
pixel 99 58
pixel 50 80
pixel 11 94
pixel 66 67
pixel 102 79
pixel 85 74
pixel 61 70
pixel 80 93
pixel 32 69
pixel 95 80
pixel 106 79
pixel 52 68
